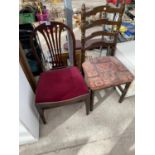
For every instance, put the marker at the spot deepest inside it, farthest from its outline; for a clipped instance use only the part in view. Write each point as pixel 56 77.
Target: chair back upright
pixel 51 36
pixel 109 18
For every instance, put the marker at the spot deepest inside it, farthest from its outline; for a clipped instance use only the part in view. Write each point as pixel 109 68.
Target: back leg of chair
pixel 41 113
pixel 112 53
pixel 124 92
pixel 108 51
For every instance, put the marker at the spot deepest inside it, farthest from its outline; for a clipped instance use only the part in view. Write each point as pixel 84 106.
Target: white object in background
pixel 28 115
pixel 125 52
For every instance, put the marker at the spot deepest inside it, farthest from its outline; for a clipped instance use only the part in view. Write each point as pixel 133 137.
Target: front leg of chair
pixel 108 51
pixel 82 72
pixel 91 100
pixel 124 92
pixel 87 103
pixel 41 113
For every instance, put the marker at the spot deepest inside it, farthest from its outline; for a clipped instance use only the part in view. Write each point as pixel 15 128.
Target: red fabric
pixel 115 1
pixel 59 85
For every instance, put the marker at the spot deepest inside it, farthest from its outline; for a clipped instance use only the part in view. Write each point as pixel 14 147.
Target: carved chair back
pixel 100 16
pixel 51 37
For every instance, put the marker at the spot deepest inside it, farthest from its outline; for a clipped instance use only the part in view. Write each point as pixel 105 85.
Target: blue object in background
pixel 128 25
pixel 130 32
pixel 130 29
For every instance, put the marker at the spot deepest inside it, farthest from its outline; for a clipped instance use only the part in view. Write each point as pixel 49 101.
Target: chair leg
pixel 91 100
pixel 108 51
pixel 87 103
pixel 124 92
pixel 113 51
pixel 41 113
pixel 82 72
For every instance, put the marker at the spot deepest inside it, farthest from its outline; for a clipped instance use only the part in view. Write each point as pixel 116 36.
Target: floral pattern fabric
pixel 104 72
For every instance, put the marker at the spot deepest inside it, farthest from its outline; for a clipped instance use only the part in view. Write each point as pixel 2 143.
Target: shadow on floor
pixel 101 99
pixel 70 146
pixel 126 143
pixel 57 116
pixel 124 146
pixel 108 128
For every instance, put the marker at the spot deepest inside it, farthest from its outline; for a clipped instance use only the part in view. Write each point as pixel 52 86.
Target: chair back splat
pixel 52 36
pixel 106 16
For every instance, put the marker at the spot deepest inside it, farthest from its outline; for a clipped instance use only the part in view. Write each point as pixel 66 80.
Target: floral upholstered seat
pixel 104 72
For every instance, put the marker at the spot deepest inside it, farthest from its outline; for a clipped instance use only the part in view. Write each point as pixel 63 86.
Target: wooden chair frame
pixel 123 91
pixel 102 21
pixel 48 105
pixel 57 63
pixel 112 45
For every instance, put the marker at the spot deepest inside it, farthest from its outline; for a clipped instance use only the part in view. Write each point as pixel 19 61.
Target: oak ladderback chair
pixel 60 83
pixel 105 22
pixel 105 71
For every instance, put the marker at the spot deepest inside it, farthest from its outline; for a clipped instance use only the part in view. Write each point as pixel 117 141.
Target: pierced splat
pixel 51 41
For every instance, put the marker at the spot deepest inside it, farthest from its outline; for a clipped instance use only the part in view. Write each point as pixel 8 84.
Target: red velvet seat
pixel 60 85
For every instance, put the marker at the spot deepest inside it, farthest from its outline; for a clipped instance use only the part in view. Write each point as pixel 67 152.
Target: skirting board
pixel 25 137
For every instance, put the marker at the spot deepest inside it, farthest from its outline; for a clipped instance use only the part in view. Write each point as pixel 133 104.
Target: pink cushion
pixel 59 85
pixel 104 72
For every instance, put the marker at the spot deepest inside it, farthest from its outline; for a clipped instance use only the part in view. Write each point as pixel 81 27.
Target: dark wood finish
pixel 120 88
pixel 65 56
pixel 99 43
pixel 52 35
pixel 106 72
pixel 91 100
pixel 83 30
pixel 48 105
pixel 124 92
pixel 98 33
pixel 87 102
pixel 102 21
pixel 25 66
pixel 41 113
pixel 104 8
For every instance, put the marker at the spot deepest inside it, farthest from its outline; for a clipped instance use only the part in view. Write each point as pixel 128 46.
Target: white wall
pixel 25 136
pixel 28 114
pixel 125 52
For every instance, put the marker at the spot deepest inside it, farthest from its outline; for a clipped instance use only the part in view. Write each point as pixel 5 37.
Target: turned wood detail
pixel 83 32
pixel 115 24
pixel 51 34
